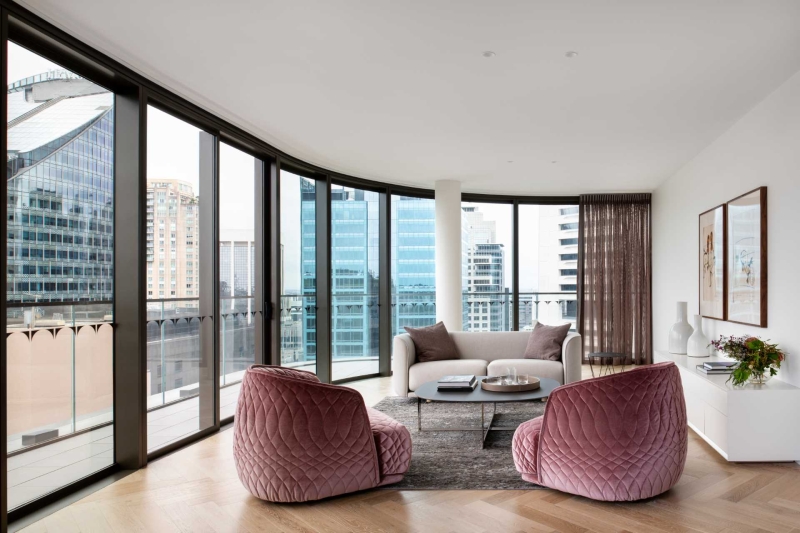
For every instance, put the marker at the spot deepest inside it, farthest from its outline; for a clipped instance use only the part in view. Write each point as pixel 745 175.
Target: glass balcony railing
pixel 487 311
pixel 174 346
pixel 173 350
pixel 238 337
pixel 355 322
pixel 60 370
pixel 551 308
pixel 298 317
pixel 355 336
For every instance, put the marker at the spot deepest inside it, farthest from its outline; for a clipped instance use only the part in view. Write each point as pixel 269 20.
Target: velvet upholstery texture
pixel 433 343
pixel 616 438
pixel 296 439
pixel 546 342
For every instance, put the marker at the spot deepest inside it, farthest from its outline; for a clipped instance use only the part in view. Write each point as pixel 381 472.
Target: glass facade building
pixel 60 190
pixel 413 262
pixel 355 329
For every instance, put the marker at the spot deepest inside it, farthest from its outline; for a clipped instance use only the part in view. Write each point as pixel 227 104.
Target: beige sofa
pixel 482 354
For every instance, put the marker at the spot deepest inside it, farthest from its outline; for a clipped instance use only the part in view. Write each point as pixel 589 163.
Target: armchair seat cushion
pixel 525 448
pixel 393 443
pixel 541 368
pixel 434 370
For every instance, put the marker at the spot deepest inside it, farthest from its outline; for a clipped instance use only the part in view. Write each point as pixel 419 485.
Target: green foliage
pixel 756 357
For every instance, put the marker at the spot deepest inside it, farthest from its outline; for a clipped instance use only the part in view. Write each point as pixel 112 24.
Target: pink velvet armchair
pixel 616 438
pixel 296 439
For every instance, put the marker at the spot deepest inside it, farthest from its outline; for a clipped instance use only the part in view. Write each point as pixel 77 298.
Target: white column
pixel 448 254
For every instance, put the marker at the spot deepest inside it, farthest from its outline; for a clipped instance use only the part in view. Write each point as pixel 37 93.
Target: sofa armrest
pixel 403 356
pixel 572 357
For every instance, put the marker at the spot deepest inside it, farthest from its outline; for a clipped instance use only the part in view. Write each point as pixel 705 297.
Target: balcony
pixel 355 324
pixel 60 395
pixel 174 363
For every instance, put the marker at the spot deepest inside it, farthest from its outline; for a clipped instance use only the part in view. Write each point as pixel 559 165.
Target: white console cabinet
pixel 749 423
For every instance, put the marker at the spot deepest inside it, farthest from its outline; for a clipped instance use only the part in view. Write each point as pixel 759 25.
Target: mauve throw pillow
pixel 545 342
pixel 433 343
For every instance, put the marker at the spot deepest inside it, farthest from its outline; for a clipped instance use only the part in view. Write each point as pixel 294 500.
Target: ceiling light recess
pixel 571 53
pixel 488 54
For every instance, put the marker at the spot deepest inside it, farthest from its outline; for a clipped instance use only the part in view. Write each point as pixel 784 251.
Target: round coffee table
pixel 429 391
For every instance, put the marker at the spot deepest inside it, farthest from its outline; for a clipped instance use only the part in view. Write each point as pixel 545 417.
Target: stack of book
pixel 458 383
pixel 717 367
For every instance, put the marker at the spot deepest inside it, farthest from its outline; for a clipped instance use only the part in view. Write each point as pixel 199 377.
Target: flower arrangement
pixel 758 360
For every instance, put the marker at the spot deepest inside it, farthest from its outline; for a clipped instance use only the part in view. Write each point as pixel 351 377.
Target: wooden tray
pixel 532 384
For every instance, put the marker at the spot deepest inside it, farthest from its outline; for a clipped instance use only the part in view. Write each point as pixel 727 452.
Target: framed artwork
pixel 712 263
pixel 747 258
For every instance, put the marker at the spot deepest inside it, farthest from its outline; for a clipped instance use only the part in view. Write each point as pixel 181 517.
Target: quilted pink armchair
pixel 296 439
pixel 616 438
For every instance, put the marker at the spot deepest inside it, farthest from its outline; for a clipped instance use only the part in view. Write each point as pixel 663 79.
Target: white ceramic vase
pixel 680 332
pixel 698 342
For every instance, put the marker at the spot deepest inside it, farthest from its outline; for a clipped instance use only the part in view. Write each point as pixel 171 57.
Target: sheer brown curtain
pixel 614 275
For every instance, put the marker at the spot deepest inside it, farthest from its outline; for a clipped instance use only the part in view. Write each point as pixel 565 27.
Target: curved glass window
pixel 355 327
pixel 548 259
pixel 298 263
pixel 487 248
pixel 237 271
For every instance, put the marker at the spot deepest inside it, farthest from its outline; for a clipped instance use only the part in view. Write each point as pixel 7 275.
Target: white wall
pixel 763 148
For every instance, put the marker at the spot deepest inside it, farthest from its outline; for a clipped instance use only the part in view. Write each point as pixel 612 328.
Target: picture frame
pixel 747 258
pixel 712 275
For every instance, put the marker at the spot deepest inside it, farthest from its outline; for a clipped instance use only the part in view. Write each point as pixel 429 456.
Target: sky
pixel 23 63
pixel 173 152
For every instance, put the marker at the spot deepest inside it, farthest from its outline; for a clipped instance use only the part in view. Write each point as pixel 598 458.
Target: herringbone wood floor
pixel 197 489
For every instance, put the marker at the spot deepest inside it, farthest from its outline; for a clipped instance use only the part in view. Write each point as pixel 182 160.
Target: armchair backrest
pixel 619 434
pixel 297 439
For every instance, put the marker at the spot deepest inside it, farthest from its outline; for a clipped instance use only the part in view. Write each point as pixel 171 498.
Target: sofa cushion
pixel 433 343
pixel 490 345
pixel 541 368
pixel 435 370
pixel 546 341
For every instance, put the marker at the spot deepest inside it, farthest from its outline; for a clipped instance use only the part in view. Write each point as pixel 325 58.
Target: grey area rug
pixel 454 460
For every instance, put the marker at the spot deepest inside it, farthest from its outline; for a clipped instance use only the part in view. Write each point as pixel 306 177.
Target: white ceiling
pixel 398 91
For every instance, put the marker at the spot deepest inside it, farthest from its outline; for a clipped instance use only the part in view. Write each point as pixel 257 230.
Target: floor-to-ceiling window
pixel 548 264
pixel 179 293
pixel 413 262
pixel 298 279
pixel 355 238
pixel 59 267
pixel 487 265
pixel 239 311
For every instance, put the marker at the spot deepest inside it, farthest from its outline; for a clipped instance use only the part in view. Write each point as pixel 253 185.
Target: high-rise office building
pixel 173 237
pixel 354 266
pixel 60 135
pixel 488 298
pixel 354 273
pixel 558 262
pixel 413 262
pixel 236 263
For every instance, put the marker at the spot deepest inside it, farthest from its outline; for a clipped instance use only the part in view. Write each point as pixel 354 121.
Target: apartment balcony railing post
pixel 163 359
pixel 222 329
pixel 74 335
